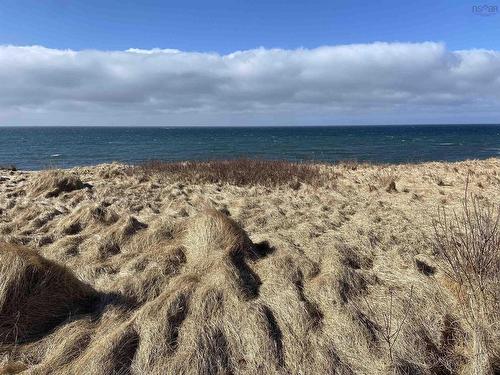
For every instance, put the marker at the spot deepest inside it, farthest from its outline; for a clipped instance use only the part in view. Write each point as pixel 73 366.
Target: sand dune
pixel 113 270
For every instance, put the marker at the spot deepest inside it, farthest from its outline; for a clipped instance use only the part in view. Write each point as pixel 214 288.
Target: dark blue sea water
pixel 41 147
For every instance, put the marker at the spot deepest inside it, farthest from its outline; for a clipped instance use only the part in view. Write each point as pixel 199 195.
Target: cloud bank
pixel 392 82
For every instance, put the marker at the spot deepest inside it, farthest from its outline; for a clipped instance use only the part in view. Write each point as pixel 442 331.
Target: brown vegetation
pixel 239 172
pixel 215 271
pixel 36 294
pixel 469 242
pixel 54 182
pixel 10 167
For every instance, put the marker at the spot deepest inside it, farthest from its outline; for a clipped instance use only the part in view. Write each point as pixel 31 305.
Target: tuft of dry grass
pixel 36 294
pixel 8 167
pixel 387 179
pixel 54 182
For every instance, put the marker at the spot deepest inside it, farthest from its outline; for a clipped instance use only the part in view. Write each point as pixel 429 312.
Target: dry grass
pixel 469 242
pixel 9 167
pixel 241 272
pixel 239 172
pixel 36 294
pixel 54 182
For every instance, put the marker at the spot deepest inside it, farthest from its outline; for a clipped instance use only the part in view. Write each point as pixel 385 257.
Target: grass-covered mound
pixel 36 294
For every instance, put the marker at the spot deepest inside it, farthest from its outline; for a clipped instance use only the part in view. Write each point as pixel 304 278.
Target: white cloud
pixel 392 82
pixel 152 51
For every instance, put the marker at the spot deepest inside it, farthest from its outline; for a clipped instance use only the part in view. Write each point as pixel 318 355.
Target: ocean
pixel 34 148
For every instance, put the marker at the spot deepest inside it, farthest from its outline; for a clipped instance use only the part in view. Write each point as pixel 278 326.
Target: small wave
pixel 446 144
pixel 55 155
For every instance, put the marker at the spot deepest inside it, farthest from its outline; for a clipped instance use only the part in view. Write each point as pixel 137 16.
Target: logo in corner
pixel 485 10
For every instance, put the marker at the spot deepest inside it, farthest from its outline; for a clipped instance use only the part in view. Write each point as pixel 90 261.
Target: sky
pixel 248 62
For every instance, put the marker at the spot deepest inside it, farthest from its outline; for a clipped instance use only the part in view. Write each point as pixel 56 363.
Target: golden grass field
pixel 275 269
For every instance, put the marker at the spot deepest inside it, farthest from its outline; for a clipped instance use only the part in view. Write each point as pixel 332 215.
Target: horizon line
pixel 246 126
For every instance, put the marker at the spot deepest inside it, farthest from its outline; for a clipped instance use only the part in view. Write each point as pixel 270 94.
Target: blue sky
pixel 248 62
pixel 229 25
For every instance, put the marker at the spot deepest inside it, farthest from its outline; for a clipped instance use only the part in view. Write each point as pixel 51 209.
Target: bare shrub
pixel 390 325
pixel 240 172
pixel 469 243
